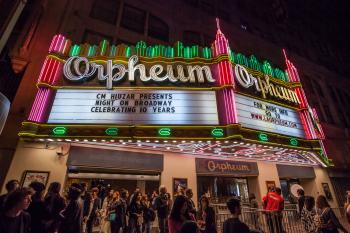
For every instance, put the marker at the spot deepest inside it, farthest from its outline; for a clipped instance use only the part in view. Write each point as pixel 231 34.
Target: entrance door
pixel 220 189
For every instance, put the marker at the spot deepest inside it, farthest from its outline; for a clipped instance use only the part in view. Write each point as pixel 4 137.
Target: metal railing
pixel 270 222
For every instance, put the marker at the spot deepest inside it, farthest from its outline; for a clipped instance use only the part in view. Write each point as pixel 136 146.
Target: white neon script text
pixel 79 68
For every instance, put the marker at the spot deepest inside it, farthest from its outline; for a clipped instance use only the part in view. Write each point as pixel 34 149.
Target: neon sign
pixel 59 130
pixel 165 132
pixel 78 69
pixel 247 80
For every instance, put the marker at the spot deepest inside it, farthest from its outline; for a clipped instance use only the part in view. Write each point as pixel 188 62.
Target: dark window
pixel 208 6
pixel 106 10
pixel 307 83
pixel 332 93
pixel 191 38
pixel 158 29
pixel 317 88
pixel 328 114
pixel 95 38
pixel 133 19
pixel 341 116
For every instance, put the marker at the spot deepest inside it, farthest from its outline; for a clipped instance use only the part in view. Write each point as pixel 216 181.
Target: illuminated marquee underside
pixel 228 149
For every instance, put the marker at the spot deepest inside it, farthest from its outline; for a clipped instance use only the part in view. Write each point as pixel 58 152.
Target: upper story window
pixel 106 10
pixel 332 93
pixel 133 19
pixel 158 29
pixel 318 88
pixel 208 6
pixel 191 38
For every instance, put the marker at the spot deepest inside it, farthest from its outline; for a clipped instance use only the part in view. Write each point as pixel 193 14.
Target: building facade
pixel 132 21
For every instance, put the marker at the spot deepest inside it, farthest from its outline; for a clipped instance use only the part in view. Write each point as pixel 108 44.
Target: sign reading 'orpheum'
pixel 261 115
pixel 175 107
pixel 225 167
pixel 247 80
pixel 78 69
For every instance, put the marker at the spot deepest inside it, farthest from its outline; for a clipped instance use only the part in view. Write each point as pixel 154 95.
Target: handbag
pixel 112 217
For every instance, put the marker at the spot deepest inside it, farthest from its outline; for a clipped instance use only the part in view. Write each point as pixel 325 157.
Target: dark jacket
pixel 95 207
pixel 20 223
pixel 161 205
pixel 209 217
pixel 331 222
pixel 120 209
pixel 86 200
pixel 234 225
pixel 301 201
pixel 135 209
pixel 71 218
pixel 38 215
pixel 2 201
pixel 191 207
pixel 54 204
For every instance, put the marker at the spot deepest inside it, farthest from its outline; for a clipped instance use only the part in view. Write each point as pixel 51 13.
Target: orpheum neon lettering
pixel 247 80
pixel 79 69
pixel 226 166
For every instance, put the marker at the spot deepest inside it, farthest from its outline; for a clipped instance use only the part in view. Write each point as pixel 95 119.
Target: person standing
pixel 274 205
pixel 95 206
pixel 190 204
pixel 122 209
pixel 347 206
pixel 113 213
pixel 13 218
pixel 308 215
pixel 10 186
pixel 233 224
pixel 179 214
pixel 71 216
pixel 106 208
pixel 326 221
pixel 148 214
pixel 161 205
pixel 85 200
pixel 37 209
pixel 253 205
pixel 136 214
pixel 54 203
pixel 206 216
pixel 301 199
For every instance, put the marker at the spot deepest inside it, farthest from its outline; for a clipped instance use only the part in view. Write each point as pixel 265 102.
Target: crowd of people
pixel 28 210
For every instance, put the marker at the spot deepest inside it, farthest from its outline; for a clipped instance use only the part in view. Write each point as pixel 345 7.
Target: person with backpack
pixel 148 214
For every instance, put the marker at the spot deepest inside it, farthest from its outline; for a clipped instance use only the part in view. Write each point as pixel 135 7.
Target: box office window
pixel 133 19
pixel 220 189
